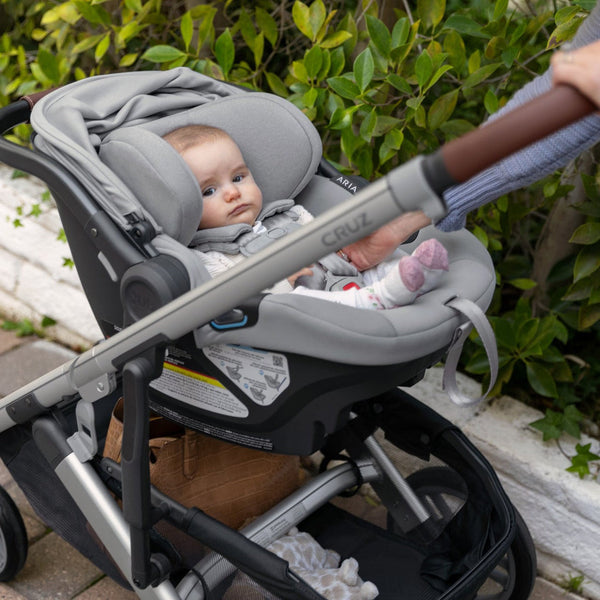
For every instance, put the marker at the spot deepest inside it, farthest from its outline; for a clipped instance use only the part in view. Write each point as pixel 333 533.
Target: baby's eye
pixel 208 191
pixel 237 178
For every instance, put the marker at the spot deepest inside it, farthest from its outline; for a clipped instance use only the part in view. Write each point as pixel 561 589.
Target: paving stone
pixel 54 570
pixel 106 589
pixel 29 361
pixel 9 340
pixel 6 593
pixel 545 590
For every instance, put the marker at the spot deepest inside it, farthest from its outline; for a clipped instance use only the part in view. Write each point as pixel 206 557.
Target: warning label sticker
pixel 196 389
pixel 262 375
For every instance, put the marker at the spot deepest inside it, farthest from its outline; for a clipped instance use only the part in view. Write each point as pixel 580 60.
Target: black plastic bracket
pixel 146 568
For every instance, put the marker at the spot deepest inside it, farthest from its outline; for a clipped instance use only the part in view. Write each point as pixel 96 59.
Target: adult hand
pixel 579 68
pixel 371 250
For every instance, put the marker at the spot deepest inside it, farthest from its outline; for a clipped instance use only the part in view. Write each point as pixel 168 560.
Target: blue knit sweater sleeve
pixel 535 161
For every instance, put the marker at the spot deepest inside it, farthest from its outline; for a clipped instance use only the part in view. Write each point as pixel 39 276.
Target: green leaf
pixel 380 36
pixel 48 321
pixel 344 87
pixel 298 70
pixel 93 13
pixel 423 68
pixel 313 61
pixel 399 83
pixel 134 5
pixel 490 101
pixel 225 51
pixel 500 7
pixel 505 333
pixel 437 75
pixel 479 75
pixel 464 25
pixel 267 25
pixel 338 62
pixel 276 84
pixel 102 47
pixel 385 124
pixel 522 283
pixel 550 425
pixel 454 46
pixel 431 12
pixel 335 39
pixel 301 17
pixel 128 59
pixel 258 48
pixel 588 233
pixel 564 32
pixel 588 315
pixel 48 64
pixel 572 418
pixel 364 69
pixel 579 291
pixel 162 54
pixel 441 109
pixel 86 43
pixel 317 16
pixel 541 380
pixel 400 32
pixel 586 263
pixel 187 29
pixel 367 126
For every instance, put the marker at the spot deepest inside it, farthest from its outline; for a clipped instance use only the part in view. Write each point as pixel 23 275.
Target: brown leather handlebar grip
pixel 32 99
pixel 477 150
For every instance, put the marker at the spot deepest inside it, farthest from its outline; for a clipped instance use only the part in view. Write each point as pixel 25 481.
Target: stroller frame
pixel 135 356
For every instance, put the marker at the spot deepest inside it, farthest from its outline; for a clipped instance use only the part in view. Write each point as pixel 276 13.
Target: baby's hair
pixel 189 136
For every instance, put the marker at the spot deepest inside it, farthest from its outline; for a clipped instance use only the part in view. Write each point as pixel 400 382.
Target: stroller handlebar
pixel 464 157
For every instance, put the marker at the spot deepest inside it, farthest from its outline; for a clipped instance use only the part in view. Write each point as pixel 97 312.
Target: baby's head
pixel 229 192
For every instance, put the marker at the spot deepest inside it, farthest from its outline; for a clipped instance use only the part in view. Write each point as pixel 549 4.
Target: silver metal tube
pixel 105 517
pixel 276 522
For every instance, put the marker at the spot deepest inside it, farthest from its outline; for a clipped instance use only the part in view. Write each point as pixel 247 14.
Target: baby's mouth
pixel 240 208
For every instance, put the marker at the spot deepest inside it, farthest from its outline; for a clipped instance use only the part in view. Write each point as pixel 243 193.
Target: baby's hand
pixel 305 271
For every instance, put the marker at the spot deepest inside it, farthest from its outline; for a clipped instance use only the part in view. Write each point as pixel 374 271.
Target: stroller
pixel 451 531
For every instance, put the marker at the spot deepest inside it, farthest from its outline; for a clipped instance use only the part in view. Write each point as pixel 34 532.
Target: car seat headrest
pixel 279 143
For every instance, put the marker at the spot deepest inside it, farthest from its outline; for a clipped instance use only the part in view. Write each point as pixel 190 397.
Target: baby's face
pixel 229 193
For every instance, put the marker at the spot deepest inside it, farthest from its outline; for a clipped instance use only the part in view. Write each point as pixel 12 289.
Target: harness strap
pixel 476 318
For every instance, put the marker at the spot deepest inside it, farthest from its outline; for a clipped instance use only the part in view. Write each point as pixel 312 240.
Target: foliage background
pixel 382 82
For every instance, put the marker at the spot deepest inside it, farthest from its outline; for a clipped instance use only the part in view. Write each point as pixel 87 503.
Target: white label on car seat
pixel 262 375
pixel 201 391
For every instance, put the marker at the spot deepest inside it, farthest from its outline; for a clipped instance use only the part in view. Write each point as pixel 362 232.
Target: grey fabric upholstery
pixel 281 163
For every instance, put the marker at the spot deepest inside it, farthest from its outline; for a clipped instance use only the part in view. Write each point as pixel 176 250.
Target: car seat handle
pixel 471 153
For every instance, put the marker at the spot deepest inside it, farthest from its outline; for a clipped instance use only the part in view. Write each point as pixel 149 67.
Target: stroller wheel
pixel 13 538
pixel 443 491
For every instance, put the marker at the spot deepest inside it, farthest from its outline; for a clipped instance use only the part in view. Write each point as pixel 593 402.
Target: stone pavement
pixel 54 570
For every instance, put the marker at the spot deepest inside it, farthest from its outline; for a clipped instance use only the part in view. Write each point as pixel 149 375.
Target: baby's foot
pixel 411 273
pixel 433 257
pixel 402 284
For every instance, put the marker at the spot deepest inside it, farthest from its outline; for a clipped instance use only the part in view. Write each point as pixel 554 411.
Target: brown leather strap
pixel 475 151
pixel 32 99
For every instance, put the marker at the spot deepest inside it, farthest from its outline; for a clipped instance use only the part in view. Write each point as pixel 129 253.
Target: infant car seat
pixel 144 184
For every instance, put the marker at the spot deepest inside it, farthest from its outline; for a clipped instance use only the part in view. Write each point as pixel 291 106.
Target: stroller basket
pixel 448 529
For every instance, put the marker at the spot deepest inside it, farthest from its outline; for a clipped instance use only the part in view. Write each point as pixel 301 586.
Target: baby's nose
pixel 232 192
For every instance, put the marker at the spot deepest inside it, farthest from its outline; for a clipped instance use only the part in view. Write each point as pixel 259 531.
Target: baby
pixel 230 196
